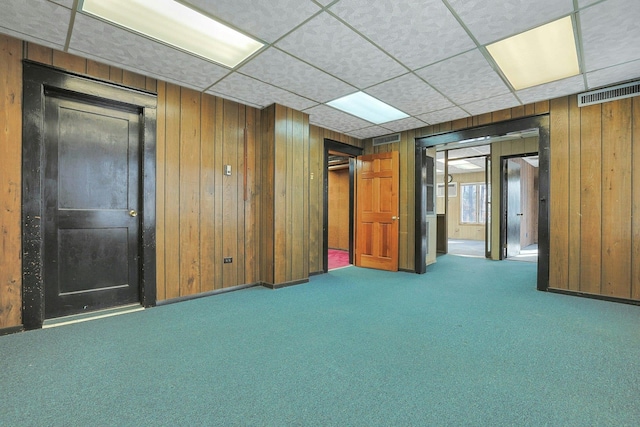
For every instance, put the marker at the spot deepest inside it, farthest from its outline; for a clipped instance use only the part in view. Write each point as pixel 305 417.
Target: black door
pixel 91 202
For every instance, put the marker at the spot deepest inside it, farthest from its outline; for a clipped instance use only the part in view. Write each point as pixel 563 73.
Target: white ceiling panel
pixel 369 132
pixel 96 39
pixel 552 90
pixel 448 114
pixel 282 70
pixel 404 124
pixel 321 115
pixel 585 3
pixel 329 44
pixel 491 104
pixel 257 93
pixel 490 20
pixel 265 19
pixel 410 94
pixel 610 33
pixel 325 2
pixel 66 3
pixel 416 32
pixel 465 78
pixel 613 75
pixel 46 24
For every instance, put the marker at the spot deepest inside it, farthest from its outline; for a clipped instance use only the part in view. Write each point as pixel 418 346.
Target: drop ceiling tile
pixel 265 19
pixel 585 3
pixel 39 21
pixel 491 104
pixel 282 70
pixel 65 3
pixel 552 90
pixel 464 78
pixel 322 115
pixel 410 94
pixel 255 92
pixel 332 46
pixel 613 75
pixel 441 116
pixel 325 2
pixel 415 32
pixel 99 40
pixel 369 132
pixel 610 33
pixel 404 124
pixel 490 20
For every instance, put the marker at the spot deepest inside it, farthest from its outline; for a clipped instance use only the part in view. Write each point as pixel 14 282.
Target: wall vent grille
pixel 387 139
pixel 612 93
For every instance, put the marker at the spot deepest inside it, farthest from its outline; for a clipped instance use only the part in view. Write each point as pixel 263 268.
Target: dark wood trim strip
pixel 11 330
pixel 285 284
pixel 593 296
pixel 207 294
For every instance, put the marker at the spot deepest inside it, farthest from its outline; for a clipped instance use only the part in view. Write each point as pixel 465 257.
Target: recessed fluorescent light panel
pixel 177 25
pixel 367 107
pixel 541 55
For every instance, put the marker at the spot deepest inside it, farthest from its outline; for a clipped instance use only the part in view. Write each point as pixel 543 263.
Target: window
pixel 473 202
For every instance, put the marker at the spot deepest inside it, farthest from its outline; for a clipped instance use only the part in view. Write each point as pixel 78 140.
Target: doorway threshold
pixel 94 315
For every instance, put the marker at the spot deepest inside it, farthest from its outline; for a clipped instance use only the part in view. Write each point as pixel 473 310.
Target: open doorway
pixel 462 190
pixel 520 208
pixel 339 194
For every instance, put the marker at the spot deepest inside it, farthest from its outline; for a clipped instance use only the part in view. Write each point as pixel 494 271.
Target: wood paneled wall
pixel 10 181
pixel 456 229
pixel 595 197
pixel 203 215
pixel 317 135
pixel 338 221
pixel 285 205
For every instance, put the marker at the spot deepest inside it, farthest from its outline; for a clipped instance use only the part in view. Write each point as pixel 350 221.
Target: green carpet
pixel 470 343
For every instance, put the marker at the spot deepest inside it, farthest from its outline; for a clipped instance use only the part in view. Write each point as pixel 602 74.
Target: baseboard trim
pixel 406 270
pixel 207 294
pixel 285 284
pixel 594 296
pixel 316 273
pixel 11 330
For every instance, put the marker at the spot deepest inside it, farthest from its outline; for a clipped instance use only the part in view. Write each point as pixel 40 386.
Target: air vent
pixel 387 139
pixel 612 93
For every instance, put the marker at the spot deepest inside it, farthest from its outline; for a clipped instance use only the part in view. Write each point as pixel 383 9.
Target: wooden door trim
pixel 541 122
pixel 37 77
pixel 351 150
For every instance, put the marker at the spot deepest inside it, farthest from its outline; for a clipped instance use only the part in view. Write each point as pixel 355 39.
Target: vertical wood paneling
pixel 250 211
pixel 316 158
pixel 218 194
pixel 207 192
pixel 230 193
pixel 559 194
pixel 97 69
pixel 172 192
pixel 239 180
pixel 10 181
pixel 132 79
pixel 297 198
pixel 289 194
pixel 590 200
pixel 69 62
pixel 160 192
pixel 116 75
pixel 616 198
pixel 267 235
pixel 635 191
pixel 39 53
pixel 573 275
pixel 279 199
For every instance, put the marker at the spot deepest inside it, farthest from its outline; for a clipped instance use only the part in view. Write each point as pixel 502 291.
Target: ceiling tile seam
pixel 72 21
pixel 577 33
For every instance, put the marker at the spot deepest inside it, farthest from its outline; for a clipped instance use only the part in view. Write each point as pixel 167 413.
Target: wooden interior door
pixel 377 211
pixel 91 193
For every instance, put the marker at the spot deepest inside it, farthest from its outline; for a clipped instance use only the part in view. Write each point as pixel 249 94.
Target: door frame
pixel 504 203
pixel 37 78
pixel 541 122
pixel 352 151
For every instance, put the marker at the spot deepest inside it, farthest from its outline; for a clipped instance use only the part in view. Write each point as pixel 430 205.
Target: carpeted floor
pixel 337 259
pixel 470 343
